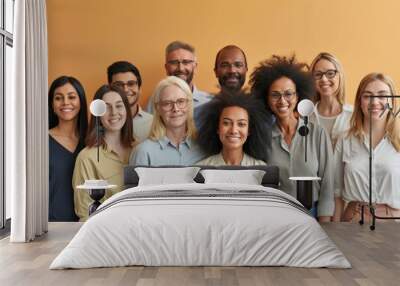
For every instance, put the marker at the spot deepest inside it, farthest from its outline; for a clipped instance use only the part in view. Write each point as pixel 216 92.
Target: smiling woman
pixel 172 139
pixel 331 112
pixel 235 130
pixel 116 142
pixel 352 153
pixel 282 82
pixel 68 125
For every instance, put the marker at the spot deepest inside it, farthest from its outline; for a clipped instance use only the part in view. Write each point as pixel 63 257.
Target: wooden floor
pixel 375 257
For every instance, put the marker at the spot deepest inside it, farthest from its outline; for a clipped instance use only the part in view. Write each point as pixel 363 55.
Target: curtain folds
pixel 27 124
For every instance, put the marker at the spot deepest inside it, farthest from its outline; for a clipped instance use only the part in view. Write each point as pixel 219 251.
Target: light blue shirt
pixel 164 152
pixel 199 98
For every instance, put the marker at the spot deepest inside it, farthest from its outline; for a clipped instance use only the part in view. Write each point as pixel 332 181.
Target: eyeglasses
pixel 238 65
pixel 329 74
pixel 380 96
pixel 168 105
pixel 288 95
pixel 129 84
pixel 178 62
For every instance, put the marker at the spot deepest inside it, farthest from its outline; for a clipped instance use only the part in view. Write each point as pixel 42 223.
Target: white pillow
pixel 248 177
pixel 166 176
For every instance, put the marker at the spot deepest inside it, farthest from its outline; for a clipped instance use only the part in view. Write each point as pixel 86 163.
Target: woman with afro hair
pixel 281 83
pixel 234 130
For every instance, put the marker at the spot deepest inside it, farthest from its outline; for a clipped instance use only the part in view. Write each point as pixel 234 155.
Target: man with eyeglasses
pixel 231 68
pixel 180 61
pixel 125 76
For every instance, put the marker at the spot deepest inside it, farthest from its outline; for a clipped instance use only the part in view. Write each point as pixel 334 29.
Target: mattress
pixel 201 225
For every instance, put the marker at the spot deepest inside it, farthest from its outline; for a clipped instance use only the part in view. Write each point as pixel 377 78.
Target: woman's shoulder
pixel 347 112
pixel 251 161
pixel 87 153
pixel 212 160
pixel 347 108
pixel 146 146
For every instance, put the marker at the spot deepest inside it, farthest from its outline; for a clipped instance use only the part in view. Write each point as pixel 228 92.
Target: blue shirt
pixel 164 152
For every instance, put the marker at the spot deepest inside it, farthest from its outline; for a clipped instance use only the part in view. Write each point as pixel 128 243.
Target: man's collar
pixel 139 112
pixel 195 93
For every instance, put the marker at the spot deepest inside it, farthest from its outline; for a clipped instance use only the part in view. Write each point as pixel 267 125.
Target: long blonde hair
pixel 340 93
pixel 158 129
pixel 392 126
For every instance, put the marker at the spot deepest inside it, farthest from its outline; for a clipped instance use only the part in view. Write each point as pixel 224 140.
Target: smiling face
pixel 115 116
pixel 231 69
pixel 127 82
pixel 233 127
pixel 66 103
pixel 282 98
pixel 181 63
pixel 325 86
pixel 173 107
pixel 375 87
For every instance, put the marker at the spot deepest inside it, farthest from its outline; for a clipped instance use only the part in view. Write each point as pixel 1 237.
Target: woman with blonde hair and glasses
pixel 352 153
pixel 331 112
pixel 172 139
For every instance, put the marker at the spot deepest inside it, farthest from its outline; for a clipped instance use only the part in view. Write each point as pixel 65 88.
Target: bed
pixel 201 224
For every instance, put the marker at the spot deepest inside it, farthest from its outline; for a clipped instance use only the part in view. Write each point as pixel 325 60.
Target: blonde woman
pixel 331 112
pixel 352 154
pixel 172 135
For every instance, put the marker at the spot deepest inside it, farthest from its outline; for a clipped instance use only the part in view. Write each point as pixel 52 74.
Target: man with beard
pixel 125 76
pixel 231 68
pixel 180 61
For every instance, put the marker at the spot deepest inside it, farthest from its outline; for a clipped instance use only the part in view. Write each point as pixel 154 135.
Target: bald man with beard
pixel 231 68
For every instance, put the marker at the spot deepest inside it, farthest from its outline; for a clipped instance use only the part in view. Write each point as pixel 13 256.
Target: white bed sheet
pixel 205 231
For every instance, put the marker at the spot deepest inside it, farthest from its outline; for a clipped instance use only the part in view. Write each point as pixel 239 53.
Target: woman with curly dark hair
pixel 282 83
pixel 234 130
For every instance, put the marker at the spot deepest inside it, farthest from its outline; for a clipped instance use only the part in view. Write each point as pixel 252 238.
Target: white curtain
pixel 27 124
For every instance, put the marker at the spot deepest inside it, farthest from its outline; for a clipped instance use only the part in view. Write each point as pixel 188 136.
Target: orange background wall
pixel 85 36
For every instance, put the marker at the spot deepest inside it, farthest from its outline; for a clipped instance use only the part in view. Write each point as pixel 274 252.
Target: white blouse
pixel 342 122
pixel 352 176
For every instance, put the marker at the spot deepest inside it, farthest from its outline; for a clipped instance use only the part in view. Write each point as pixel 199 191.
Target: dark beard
pixel 232 88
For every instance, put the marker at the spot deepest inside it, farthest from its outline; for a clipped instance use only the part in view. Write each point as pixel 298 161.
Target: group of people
pixel 186 126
